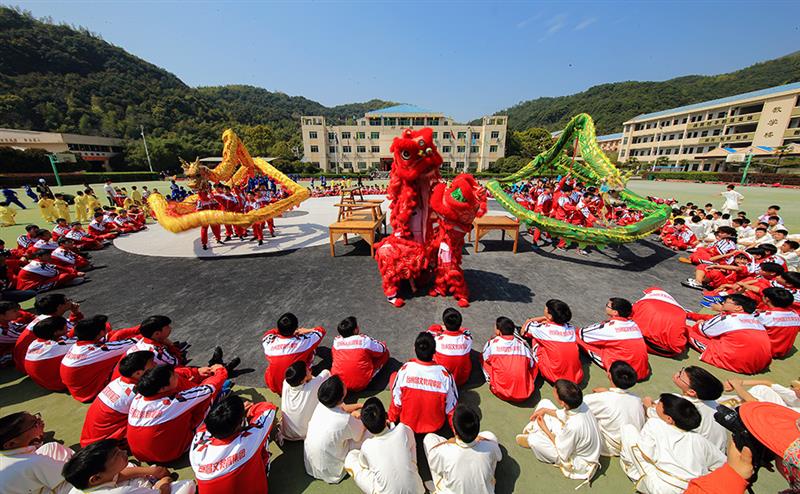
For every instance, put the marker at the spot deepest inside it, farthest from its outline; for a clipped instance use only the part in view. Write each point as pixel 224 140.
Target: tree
pixel 529 142
pixel 258 139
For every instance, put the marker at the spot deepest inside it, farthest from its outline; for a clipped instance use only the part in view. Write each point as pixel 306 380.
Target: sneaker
pixel 227 388
pixel 261 242
pixel 692 283
pixel 216 357
pixel 205 247
pixel 584 252
pixel 227 238
pixel 232 364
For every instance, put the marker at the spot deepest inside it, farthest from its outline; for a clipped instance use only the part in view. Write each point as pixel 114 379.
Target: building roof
pixel 719 102
pixel 609 137
pixel 401 109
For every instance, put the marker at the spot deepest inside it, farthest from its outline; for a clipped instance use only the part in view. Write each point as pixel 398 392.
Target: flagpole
pixel 146 151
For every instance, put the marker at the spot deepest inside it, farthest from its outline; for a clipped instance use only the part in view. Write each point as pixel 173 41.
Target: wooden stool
pixel 485 224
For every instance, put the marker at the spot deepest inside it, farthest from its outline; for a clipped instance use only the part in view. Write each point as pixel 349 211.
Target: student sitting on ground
pixel 12 323
pixel 236 433
pixel 287 344
pixel 508 363
pixel 780 320
pixel 423 392
pixel 766 390
pixel 387 461
pixel 615 407
pixel 662 321
pixel 333 431
pixel 567 437
pixel 40 274
pixel 299 399
pixel 553 342
pixel 467 462
pixel 666 454
pixel 453 346
pixel 102 467
pixel 45 353
pixel 52 304
pixel 357 358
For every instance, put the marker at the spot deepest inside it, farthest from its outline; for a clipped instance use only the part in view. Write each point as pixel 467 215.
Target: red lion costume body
pixel 429 220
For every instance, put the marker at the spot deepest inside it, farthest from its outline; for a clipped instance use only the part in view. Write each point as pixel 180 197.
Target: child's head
pixel 92 328
pixel 698 382
pixel 679 221
pixel 504 326
pixel 159 379
pixel 287 324
pixel 726 232
pixel 678 411
pixel 425 346
pixel 157 328
pixel 332 392
pixel 451 319
pixel 769 249
pixel 348 327
pixel 773 210
pixel 790 279
pixel 51 328
pixel 779 235
pixel 731 187
pixel 8 310
pixel 622 375
pixel 741 260
pixel 789 246
pixel 737 302
pixel 619 307
pixel 96 464
pixel 466 422
pixel 568 394
pixel 61 222
pixel 298 373
pixel 373 415
pixel 134 364
pixel 770 270
pixel 558 311
pixel 778 297
pixel 226 417
pixel 773 220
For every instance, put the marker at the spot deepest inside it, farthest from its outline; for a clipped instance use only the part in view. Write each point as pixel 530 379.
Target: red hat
pixel 775 426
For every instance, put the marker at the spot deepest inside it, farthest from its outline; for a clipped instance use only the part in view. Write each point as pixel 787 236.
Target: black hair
pixel 773 217
pixel 98 214
pixel 332 391
pixel 622 306
pixel 726 216
pixel 348 326
pixel 29 228
pixel 59 220
pixel 466 422
pixel 569 393
pixel 452 319
pixel 373 415
pixel 48 304
pixel 153 380
pixel 287 324
pixel 746 303
pixel 679 221
pixel 792 278
pixel 771 267
pixel 63 240
pixel 153 324
pixel 10 427
pixel 88 329
pixel 727 229
pixel 135 362
pixel 681 411
pixel 709 204
pixel 622 374
pixel 559 311
pixel 225 416
pixel 88 462
pixel 705 385
pixel 296 372
pixel 737 221
pixel 505 325
pixel 425 346
pixel 755 251
pixel 794 245
pixel 7 305
pixel 696 219
pixel 769 249
pixel 779 297
pixel 775 207
pixel 47 328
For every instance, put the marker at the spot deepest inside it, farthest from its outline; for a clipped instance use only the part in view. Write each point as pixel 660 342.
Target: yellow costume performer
pixel 81 208
pixel 7 215
pixel 47 209
pixel 91 204
pixel 62 209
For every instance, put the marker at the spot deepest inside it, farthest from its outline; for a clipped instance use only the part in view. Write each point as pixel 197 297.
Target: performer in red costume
pixel 205 201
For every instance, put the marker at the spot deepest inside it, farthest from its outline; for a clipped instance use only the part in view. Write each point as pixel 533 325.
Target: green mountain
pixel 611 104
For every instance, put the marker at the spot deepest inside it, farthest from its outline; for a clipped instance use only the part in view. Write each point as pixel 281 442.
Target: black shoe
pixel 273 234
pixel 234 363
pixel 205 247
pixel 220 242
pixel 260 242
pixel 227 238
pixel 216 358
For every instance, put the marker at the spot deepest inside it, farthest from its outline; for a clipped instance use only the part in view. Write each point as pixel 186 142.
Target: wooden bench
pixel 363 218
pixel 485 224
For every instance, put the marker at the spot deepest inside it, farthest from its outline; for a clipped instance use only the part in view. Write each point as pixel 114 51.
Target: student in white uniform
pixel 465 463
pixel 666 454
pixel 764 390
pixel 26 464
pixel 568 437
pixel 334 429
pixel 615 407
pixel 103 467
pixel 387 461
pixel 299 399
pixel 732 200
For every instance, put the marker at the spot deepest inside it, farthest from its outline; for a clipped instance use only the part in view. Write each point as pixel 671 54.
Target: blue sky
pixel 465 59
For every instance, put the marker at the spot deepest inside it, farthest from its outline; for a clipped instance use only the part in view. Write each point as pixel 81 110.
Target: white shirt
pixel 708 428
pixel 391 457
pixel 792 259
pixel 297 406
pixel 578 443
pixel 780 395
pixel 613 409
pixel 24 471
pixel 331 435
pixel 732 199
pixel 461 467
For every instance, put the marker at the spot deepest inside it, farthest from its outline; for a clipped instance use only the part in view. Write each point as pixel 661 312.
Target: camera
pixel 762 457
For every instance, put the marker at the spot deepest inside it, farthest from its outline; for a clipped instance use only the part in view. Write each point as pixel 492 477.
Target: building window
pixel 390 121
pixel 348 164
pixel 360 135
pixel 461 149
pixel 312 135
pixel 375 121
pixel 445 164
pixel 347 149
pixel 473 149
pixel 476 135
pixel 331 136
pixel 433 121
pixel 375 149
pixel 459 164
pixel 405 121
pixel 447 135
pixel 374 135
pixel 331 149
pixel 473 165
pixel 376 164
pixel 361 149
pixel 362 165
pixel 492 149
pixel 704 133
pixel 345 135
pixel 462 135
pixel 446 149
pixel 314 149
pixel 495 134
pixel 419 120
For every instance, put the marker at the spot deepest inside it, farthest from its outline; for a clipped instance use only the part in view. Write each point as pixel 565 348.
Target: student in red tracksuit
pixel 508 364
pixel 544 203
pixel 101 229
pixel 61 228
pixel 162 420
pixel 83 240
pixel 43 359
pixel 230 451
pixel 725 243
pixel 618 338
pixel 733 339
pixel 52 304
pixel 714 276
pixel 754 286
pixel 44 241
pixel 207 202
pixel 424 394
pixel 40 274
pixel 66 256
pixel 107 417
pixel 680 237
pixel 285 345
pixel 453 346
pixel 87 367
pixel 25 240
pixel 553 343
pixel 781 322
pixel 357 358
pixel 251 204
pixel 12 323
pixel 662 321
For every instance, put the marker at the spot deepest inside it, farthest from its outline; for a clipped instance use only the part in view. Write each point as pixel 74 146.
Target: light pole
pixel 146 151
pixel 747 165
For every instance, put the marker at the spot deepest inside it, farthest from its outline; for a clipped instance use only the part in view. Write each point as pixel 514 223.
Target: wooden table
pixel 363 218
pixel 485 224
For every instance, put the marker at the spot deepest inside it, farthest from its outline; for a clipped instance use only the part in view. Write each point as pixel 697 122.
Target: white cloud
pixel 554 25
pixel 585 23
pixel 522 24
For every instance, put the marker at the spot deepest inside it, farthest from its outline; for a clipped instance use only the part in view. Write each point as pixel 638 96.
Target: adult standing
pixel 43 188
pixel 111 194
pixel 732 200
pixel 11 198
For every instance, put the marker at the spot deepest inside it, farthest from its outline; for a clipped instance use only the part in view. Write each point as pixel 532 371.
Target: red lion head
pixel 461 202
pixel 415 155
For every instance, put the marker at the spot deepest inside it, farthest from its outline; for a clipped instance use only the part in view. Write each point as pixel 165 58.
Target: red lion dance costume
pixel 429 220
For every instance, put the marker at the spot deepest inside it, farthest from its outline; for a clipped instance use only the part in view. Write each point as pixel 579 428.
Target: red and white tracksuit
pixel 107 417
pixel 9 334
pixel 43 362
pixel 452 351
pixel 782 326
pixel 509 368
pixel 544 203
pixel 23 242
pixel 102 230
pixel 161 427
pixel 230 203
pixel 283 351
pixel 356 360
pixel 87 367
pixel 60 231
pixel 662 321
pixel 718 248
pixel 555 350
pixel 616 339
pixel 733 341
pixel 48 245
pixel 206 203
pixel 40 276
pixel 424 396
pixel 84 241
pixel 680 238
pixel 26 337
pixel 236 464
pixel 69 259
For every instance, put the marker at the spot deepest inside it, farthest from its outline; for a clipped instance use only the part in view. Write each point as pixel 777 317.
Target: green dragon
pixel 595 168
